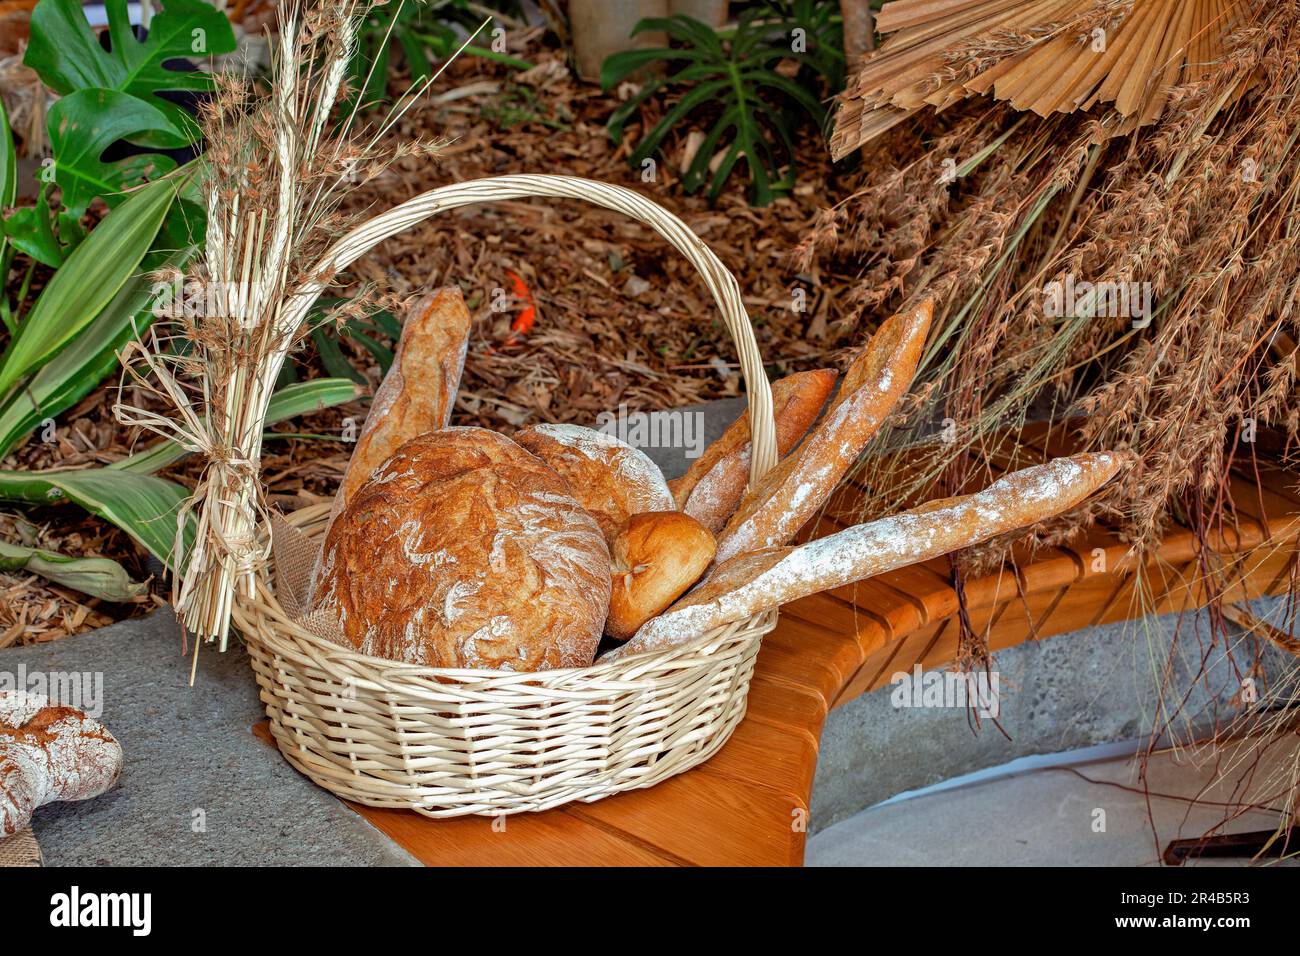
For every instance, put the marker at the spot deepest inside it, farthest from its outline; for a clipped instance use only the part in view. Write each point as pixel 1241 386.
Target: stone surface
pixel 1058 694
pixel 190 759
pixel 1087 814
pixel 711 420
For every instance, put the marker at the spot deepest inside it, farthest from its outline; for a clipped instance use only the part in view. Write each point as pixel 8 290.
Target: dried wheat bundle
pixel 1186 234
pixel 277 165
pixel 1043 56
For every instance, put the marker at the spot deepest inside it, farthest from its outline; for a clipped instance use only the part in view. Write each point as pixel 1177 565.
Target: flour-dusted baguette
pixel 656 557
pixel 49 753
pixel 750 583
pixel 464 550
pixel 773 512
pixel 419 391
pixel 609 477
pixel 715 482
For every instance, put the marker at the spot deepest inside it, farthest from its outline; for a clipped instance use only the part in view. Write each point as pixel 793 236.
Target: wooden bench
pixel 748 805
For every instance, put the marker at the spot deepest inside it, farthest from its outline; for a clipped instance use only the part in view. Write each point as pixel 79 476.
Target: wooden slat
pixel 556 838
pixel 707 820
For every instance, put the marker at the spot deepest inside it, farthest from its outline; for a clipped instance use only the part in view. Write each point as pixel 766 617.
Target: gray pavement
pixel 198 788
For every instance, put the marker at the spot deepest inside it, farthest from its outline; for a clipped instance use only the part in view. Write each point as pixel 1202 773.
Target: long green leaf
pixel 143 506
pixel 87 282
pixel 99 577
pixel 72 374
pixel 301 398
pixel 8 187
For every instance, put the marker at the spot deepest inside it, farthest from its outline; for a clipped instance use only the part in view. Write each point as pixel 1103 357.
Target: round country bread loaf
pixel 609 477
pixel 464 550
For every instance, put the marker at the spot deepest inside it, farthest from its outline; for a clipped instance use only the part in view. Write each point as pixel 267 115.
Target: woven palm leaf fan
pixel 1043 56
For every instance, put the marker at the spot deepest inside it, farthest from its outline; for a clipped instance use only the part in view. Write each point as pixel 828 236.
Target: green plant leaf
pixel 99 577
pixel 8 188
pixel 729 85
pixel 325 335
pixel 67 55
pixel 144 506
pixel 87 282
pixel 72 374
pixel 300 398
pixel 31 230
pixel 84 124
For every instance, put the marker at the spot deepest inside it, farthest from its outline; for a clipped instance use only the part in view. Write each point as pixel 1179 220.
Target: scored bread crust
pixel 465 550
pixel 752 582
pixel 715 482
pixel 772 513
pixel 609 477
pixel 419 391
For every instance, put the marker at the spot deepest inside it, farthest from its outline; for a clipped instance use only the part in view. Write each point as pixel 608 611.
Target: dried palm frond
pixel 277 166
pixel 1043 56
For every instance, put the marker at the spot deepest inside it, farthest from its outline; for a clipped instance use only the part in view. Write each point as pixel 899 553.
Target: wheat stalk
pixel 275 172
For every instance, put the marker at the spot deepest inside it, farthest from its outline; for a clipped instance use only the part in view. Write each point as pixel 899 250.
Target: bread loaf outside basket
pixel 447 742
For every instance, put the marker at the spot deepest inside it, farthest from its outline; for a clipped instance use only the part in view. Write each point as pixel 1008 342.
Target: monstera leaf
pixel 67 55
pixel 86 123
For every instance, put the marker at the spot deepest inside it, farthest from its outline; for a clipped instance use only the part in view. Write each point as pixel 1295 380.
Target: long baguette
pixel 715 483
pixel 419 391
pixel 774 511
pixel 750 583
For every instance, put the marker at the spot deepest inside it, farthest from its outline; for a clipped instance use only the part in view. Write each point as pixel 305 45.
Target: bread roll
pixel 50 753
pixel 464 550
pixel 747 584
pixel 715 482
pixel 419 391
pixel 610 478
pixel 788 495
pixel 657 556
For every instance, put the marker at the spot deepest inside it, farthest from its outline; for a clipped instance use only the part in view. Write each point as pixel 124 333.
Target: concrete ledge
pixel 1065 692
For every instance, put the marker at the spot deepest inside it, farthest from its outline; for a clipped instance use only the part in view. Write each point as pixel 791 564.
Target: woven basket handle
pixel 721 282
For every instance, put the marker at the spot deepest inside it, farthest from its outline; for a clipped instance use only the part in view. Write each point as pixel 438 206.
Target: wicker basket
pixel 446 742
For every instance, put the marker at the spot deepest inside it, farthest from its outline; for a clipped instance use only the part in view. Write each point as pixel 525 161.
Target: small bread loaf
pixel 610 478
pixel 419 391
pixel 715 482
pixel 788 495
pixel 657 556
pixel 750 583
pixel 50 753
pixel 464 550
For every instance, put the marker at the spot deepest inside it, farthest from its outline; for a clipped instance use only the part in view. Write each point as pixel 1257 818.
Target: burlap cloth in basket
pixel 21 849
pixel 295 555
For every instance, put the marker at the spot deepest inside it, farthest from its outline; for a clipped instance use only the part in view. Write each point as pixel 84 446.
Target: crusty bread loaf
pixel 747 584
pixel 787 496
pixel 609 477
pixel 464 550
pixel 419 391
pixel 715 482
pixel 657 556
pixel 48 753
